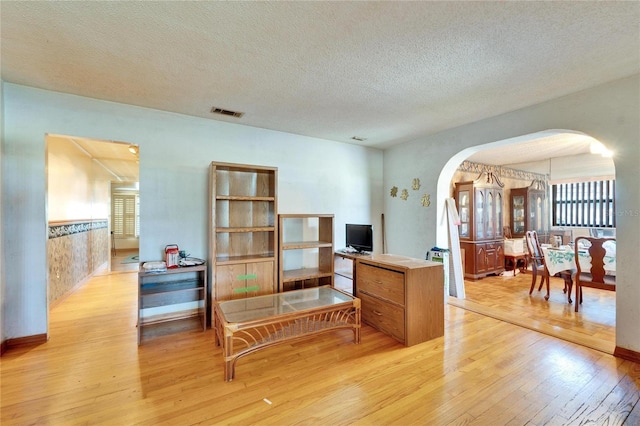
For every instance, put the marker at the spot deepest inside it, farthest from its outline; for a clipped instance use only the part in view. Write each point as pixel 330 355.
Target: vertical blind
pixel 589 204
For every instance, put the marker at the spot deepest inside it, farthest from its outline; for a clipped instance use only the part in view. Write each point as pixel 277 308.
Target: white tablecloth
pixel 564 259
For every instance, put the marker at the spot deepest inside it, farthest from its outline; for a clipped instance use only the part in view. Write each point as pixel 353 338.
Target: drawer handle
pixel 377 313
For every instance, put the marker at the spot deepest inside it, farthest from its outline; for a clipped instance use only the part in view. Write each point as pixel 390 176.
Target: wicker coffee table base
pixel 240 339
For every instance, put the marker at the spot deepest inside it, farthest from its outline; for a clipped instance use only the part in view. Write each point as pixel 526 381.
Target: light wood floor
pixel 482 372
pixel 115 263
pixel 507 298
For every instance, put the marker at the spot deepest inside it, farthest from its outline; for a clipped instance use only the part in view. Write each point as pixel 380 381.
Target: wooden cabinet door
pixel 490 257
pixel 499 257
pixel 259 279
pixel 481 259
pixel 244 280
pixel 230 282
pixel 469 260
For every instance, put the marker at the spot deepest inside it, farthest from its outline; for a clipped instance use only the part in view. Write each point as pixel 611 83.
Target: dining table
pixel 563 258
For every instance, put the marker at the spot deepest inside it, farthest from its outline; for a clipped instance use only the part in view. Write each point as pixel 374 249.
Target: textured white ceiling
pixel 385 71
pixel 552 145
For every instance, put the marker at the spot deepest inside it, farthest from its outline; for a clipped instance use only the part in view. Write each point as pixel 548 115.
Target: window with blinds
pixel 124 217
pixel 589 204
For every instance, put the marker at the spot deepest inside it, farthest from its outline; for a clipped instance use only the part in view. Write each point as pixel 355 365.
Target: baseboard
pixel 35 340
pixel 627 354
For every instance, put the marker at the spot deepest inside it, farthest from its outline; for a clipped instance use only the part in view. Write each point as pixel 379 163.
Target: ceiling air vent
pixel 227 112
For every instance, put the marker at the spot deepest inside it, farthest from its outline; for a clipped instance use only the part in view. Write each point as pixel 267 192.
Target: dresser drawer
pixel 380 282
pixel 383 316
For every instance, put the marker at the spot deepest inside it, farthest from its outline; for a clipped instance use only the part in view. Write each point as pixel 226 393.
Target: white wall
pixel 608 113
pixel 315 176
pixel 77 188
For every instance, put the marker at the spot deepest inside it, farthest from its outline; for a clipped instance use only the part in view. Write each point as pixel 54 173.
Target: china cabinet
pixel 527 210
pixel 480 208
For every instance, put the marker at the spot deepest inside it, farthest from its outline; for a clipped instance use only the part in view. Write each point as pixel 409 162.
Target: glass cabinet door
pixel 498 217
pixel 536 217
pixel 518 214
pixel 491 219
pixel 480 214
pixel 463 205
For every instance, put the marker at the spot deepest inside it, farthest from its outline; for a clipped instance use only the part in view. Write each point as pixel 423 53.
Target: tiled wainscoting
pixel 75 250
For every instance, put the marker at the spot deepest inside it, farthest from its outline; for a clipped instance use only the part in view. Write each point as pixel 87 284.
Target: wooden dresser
pixel 401 296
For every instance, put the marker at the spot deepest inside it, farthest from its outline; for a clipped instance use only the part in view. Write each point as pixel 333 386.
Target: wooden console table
pixel 244 326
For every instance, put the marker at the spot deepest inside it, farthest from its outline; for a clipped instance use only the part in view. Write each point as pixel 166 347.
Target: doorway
pixel 81 173
pixel 125 226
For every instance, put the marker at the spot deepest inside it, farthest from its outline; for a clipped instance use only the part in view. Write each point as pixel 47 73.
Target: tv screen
pixel 360 237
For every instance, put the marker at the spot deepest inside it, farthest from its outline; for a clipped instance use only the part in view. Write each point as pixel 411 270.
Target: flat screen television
pixel 359 237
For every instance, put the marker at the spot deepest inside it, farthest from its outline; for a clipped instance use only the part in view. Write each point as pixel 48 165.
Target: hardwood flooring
pixel 115 263
pixel 482 372
pixel 507 298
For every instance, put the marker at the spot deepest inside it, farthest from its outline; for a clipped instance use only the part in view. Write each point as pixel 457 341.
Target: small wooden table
pixel 244 326
pixel 513 259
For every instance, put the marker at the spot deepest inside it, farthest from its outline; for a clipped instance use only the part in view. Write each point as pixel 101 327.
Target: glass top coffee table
pixel 244 326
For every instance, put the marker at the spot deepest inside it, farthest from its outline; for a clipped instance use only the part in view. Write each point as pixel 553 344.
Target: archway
pixel 444 190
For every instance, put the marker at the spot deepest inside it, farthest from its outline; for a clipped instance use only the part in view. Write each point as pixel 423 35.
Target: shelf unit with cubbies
pixel 171 295
pixel 244 230
pixel 305 251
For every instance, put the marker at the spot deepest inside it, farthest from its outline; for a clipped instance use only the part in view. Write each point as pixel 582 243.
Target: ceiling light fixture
pixel 598 148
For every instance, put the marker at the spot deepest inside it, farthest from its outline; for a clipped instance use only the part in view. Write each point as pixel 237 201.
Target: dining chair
pixel 538 266
pixel 596 276
pixel 537 261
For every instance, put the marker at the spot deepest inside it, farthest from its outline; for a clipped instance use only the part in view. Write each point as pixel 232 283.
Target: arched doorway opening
pixel 555 317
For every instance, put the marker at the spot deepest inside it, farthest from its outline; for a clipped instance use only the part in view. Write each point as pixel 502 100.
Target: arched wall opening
pixel 449 169
pixel 444 184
